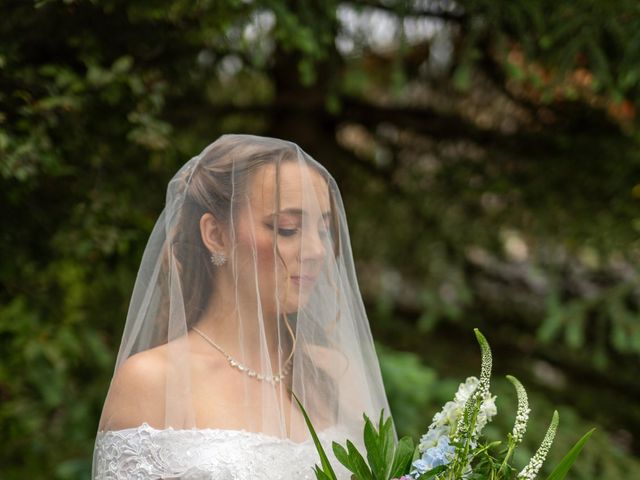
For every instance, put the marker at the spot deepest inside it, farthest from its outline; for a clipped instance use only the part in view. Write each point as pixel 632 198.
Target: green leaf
pixel 122 64
pixel 565 464
pixel 360 467
pixel 342 456
pixel 320 475
pixel 462 77
pixel 374 453
pixel 403 457
pixel 433 473
pixel 386 441
pixel 326 465
pixel 553 320
pixel 416 453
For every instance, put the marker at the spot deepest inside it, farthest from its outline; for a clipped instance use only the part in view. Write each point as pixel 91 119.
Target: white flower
pixel 487 411
pixel 487 362
pixel 465 390
pixel 448 415
pixel 531 470
pixel 522 414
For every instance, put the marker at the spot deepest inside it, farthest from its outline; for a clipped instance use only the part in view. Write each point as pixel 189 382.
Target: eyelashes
pixel 290 232
pixel 287 232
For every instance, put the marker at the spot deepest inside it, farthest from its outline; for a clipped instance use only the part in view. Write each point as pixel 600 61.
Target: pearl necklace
pixel 273 379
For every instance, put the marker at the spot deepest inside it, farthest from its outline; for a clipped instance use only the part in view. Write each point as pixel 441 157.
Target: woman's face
pixel 300 229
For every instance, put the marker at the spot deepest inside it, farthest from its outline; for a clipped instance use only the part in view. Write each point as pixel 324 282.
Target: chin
pixel 296 302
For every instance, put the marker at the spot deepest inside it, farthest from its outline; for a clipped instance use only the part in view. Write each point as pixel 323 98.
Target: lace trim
pixel 145 452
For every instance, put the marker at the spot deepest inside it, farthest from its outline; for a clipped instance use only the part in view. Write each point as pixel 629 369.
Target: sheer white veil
pixel 247 291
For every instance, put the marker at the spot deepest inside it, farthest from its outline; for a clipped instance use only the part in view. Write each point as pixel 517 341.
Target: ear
pixel 212 233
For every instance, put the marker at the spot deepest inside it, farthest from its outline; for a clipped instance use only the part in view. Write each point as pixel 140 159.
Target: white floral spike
pixel 533 467
pixel 522 414
pixel 487 362
pixel 481 395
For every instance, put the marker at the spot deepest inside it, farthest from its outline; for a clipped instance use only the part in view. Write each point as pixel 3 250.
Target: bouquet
pixel 453 447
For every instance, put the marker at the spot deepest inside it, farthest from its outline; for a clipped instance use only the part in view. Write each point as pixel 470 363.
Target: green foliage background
pixel 490 168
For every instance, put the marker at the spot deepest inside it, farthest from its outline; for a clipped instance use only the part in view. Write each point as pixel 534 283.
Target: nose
pixel 313 247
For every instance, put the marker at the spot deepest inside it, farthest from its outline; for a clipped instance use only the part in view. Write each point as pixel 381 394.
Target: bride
pixel 246 292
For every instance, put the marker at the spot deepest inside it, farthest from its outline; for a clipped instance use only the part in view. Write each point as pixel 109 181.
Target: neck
pixel 242 330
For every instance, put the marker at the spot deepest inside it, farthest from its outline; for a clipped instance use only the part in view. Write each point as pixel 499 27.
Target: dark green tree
pixel 487 152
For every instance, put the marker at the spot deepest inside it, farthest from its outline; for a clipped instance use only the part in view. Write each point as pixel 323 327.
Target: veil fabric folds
pixel 246 292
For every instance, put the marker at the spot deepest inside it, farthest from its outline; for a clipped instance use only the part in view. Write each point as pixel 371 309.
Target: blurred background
pixel 488 156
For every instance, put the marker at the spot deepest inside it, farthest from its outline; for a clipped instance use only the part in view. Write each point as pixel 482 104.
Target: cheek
pixel 260 247
pixel 264 252
pixel 254 249
pixel 285 261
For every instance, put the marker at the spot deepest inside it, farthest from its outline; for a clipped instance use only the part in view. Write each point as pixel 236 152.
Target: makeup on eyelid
pixel 288 231
pixel 289 228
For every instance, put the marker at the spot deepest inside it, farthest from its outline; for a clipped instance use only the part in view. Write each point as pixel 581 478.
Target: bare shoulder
pixel 144 370
pixel 136 394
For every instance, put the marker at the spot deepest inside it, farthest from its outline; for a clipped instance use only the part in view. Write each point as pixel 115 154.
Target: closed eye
pixel 287 232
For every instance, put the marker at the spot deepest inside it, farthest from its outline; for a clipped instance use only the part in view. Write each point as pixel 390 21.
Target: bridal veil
pixel 247 292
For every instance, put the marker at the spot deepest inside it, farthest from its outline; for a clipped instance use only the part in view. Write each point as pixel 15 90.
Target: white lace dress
pixel 145 452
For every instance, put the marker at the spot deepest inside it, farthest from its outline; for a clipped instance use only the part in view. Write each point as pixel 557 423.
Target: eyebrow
pixel 297 211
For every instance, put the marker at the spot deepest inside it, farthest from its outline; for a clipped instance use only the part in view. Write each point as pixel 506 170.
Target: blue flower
pixel 434 457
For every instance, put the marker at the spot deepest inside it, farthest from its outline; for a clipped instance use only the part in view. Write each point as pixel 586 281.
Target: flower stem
pixel 461 463
pixel 506 458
